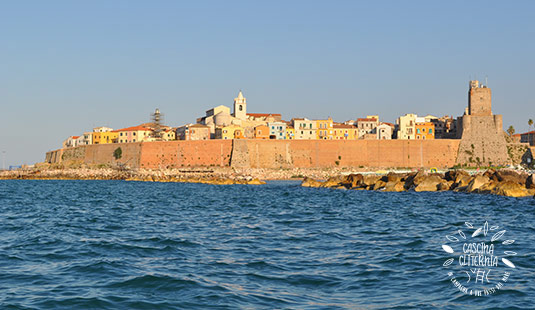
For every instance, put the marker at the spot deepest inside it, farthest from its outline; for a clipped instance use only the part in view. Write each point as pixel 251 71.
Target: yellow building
pixel 105 137
pixel 229 132
pixel 290 132
pixel 345 132
pixel 324 129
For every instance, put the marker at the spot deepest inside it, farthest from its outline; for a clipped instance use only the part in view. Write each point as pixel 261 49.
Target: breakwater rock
pixel 504 182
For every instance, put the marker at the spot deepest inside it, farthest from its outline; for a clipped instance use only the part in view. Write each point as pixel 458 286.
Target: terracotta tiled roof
pixel 75 137
pixel 262 114
pixel 135 128
pixel 528 133
pixel 198 126
pixel 344 126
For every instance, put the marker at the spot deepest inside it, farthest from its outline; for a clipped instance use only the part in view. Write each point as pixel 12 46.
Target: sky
pixel 69 66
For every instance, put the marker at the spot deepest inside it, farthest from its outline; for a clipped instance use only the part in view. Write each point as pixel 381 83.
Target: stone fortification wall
pixel 274 153
pixel 103 153
pixel 483 141
pixel 53 157
pixel 331 153
pixel 176 154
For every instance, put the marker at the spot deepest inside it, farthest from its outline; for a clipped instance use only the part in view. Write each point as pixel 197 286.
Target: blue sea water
pixel 135 245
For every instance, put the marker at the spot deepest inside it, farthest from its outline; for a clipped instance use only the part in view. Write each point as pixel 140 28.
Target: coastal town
pixel 220 123
pixel 422 153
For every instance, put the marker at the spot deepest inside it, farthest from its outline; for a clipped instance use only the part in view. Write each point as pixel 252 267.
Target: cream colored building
pixel 366 126
pixel 193 132
pixel 384 132
pixel 220 117
pixel 406 125
pixel 304 129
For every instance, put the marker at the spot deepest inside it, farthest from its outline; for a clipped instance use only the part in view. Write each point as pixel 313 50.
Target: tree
pixel 118 153
pixel 530 122
pixel 511 130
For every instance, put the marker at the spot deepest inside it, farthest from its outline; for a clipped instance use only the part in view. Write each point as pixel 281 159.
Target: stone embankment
pixel 189 176
pixel 502 182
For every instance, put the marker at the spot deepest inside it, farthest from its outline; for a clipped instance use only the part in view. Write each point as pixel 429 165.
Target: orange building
pixel 425 131
pixel 261 132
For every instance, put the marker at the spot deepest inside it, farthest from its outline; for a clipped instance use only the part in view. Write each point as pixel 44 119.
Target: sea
pixel 148 245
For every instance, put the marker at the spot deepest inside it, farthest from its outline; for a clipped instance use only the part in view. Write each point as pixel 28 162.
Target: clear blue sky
pixel 68 66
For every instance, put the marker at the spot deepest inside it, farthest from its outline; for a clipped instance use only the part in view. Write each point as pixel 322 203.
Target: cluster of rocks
pixel 502 182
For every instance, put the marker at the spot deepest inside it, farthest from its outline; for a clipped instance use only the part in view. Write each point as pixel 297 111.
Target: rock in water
pixel 352 180
pixel 530 182
pixel 511 189
pixel 395 186
pixel 512 176
pixel 255 182
pixel 428 184
pixel 332 182
pixel 477 182
pixel 309 182
pixel 444 185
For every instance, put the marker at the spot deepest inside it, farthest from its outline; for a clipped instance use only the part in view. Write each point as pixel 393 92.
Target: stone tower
pixel 481 132
pixel 240 107
pixel 479 100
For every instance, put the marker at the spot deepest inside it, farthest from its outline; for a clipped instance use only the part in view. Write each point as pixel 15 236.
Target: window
pixel 430 130
pixel 134 133
pixel 121 135
pixel 240 107
pixel 418 130
pixel 134 140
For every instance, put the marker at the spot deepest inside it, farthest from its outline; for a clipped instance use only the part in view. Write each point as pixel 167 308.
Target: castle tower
pixel 479 100
pixel 481 132
pixel 240 107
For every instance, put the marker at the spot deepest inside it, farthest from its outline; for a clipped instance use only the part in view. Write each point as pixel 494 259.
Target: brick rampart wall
pixel 275 153
pixel 331 153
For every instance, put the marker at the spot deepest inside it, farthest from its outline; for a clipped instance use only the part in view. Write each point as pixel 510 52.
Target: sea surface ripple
pixel 135 245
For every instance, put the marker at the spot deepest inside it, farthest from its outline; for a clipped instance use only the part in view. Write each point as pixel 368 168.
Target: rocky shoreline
pixel 182 176
pixel 505 182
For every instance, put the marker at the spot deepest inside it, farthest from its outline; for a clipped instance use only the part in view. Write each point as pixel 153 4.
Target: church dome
pixel 222 118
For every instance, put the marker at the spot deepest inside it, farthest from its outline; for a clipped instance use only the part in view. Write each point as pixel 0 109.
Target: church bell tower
pixel 240 107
